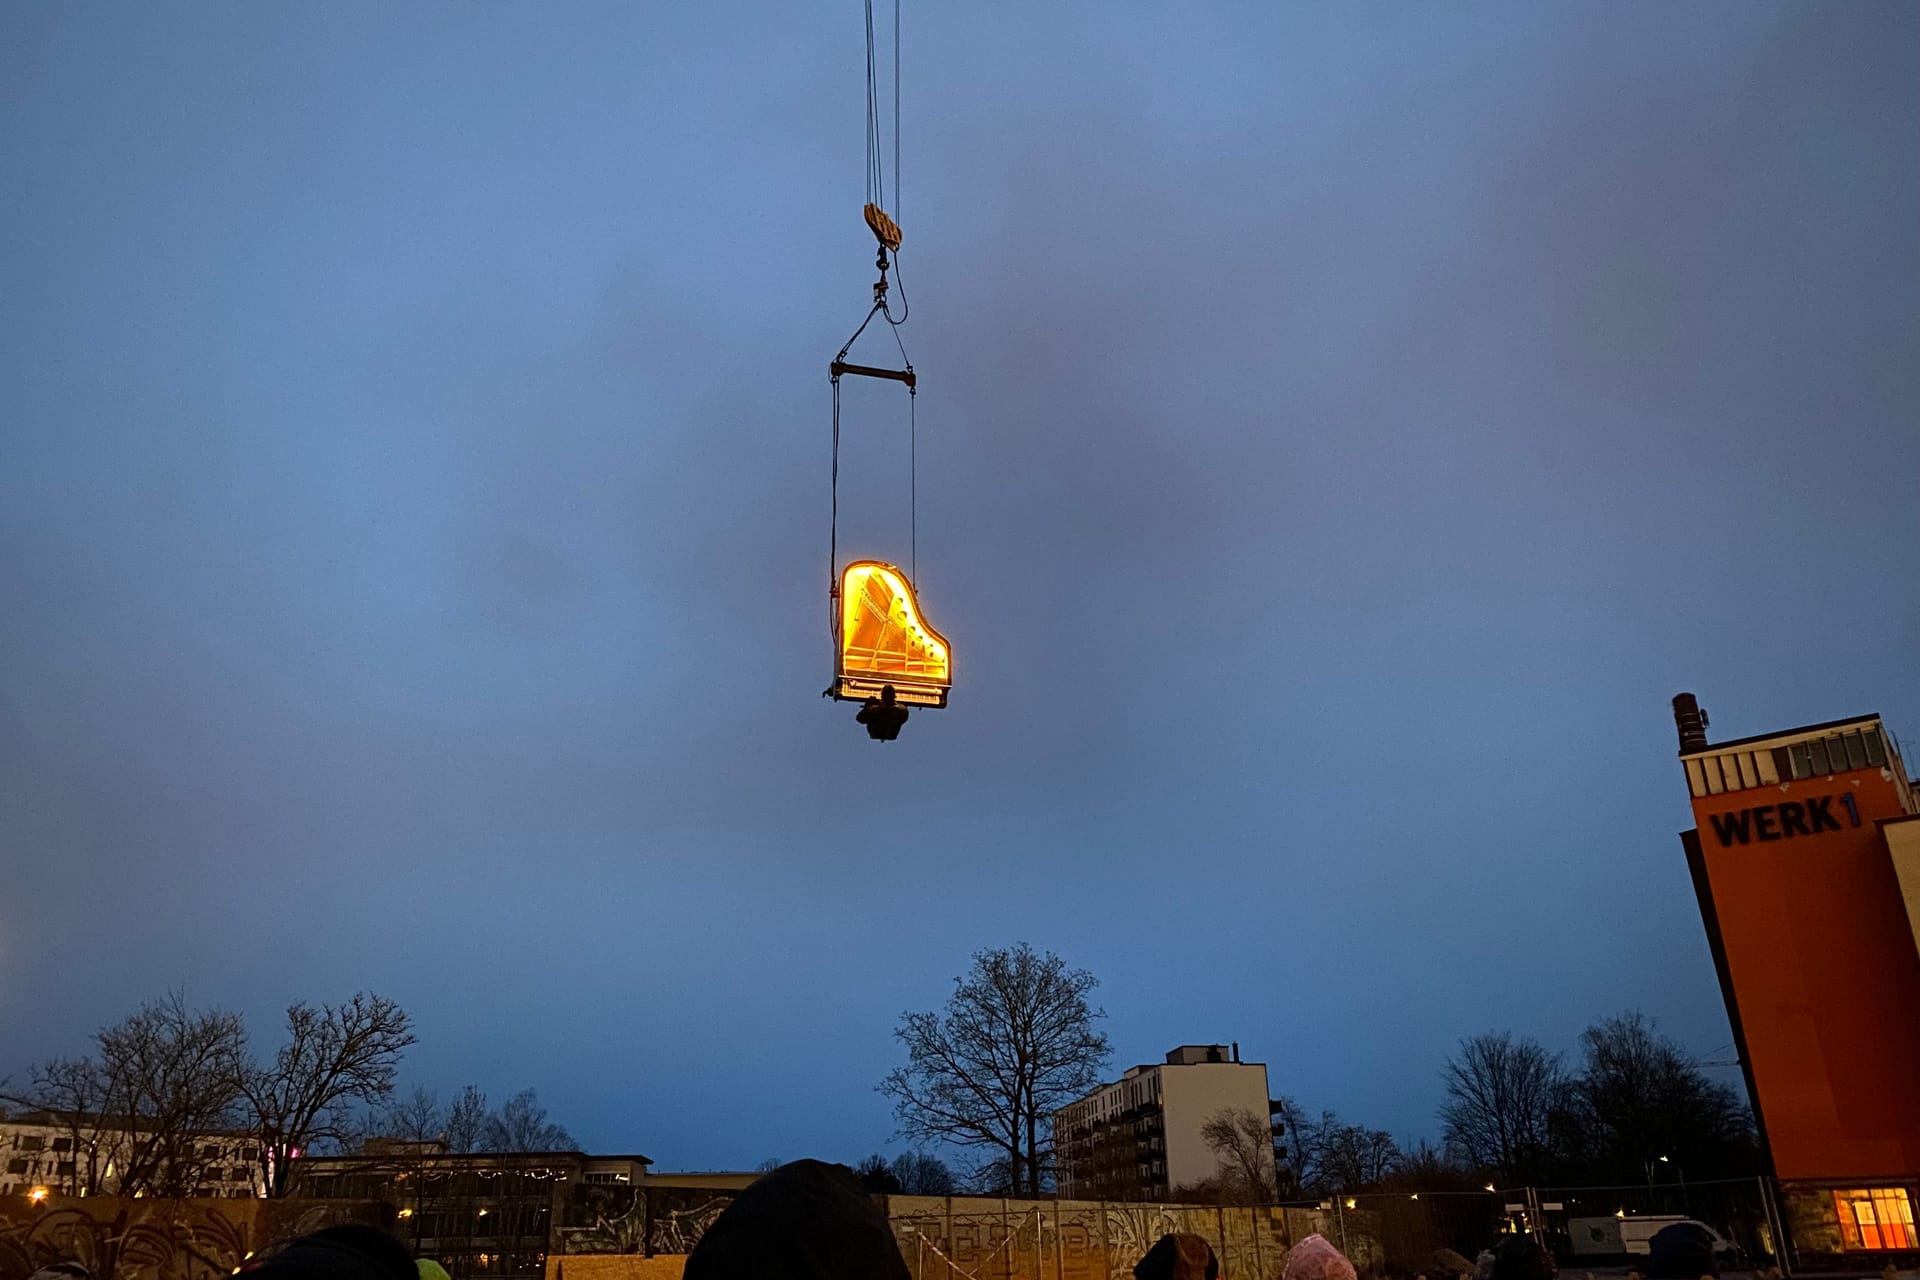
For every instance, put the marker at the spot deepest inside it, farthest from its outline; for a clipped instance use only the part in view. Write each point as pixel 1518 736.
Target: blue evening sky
pixel 1342 429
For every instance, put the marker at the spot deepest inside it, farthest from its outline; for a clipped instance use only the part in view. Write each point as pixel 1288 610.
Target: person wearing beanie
pixel 348 1252
pixel 804 1221
pixel 1315 1258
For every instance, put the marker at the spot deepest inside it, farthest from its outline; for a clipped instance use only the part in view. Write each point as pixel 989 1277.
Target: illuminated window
pixel 1880 1218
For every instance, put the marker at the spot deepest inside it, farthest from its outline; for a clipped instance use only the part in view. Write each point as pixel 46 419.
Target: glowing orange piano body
pixel 884 640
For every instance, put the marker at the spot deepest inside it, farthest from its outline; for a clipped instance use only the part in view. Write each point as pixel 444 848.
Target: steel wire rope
pixel 876 195
pixel 913 464
pixel 876 176
pixel 833 526
pixel 896 110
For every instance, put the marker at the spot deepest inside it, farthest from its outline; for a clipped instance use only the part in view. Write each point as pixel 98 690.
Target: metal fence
pixel 975 1238
pixel 1596 1223
pixel 1397 1235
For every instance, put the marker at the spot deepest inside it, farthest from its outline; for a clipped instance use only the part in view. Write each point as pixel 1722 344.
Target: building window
pixel 1881 1218
pixel 63 1144
pixel 1859 749
pixel 16 1166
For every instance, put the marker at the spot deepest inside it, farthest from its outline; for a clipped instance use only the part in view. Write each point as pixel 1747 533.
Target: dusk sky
pixel 1343 428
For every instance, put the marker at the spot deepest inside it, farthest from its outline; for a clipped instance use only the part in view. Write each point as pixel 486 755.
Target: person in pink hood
pixel 1315 1259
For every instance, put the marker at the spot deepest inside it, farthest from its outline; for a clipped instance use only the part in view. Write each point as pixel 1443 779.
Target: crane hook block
pixel 885 643
pixel 885 229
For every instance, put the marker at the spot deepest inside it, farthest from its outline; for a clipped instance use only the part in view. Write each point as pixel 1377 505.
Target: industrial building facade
pixel 1805 859
pixel 1139 1138
pixel 481 1214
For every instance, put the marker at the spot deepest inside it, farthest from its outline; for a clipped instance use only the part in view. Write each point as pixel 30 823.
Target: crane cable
pixel 876 195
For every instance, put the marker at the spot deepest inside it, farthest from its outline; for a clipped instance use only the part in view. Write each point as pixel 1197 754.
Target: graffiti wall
pixel 979 1239
pixel 617 1219
pixel 946 1238
pixel 144 1239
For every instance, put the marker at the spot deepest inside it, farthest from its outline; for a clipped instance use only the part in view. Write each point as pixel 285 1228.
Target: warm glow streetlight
pixel 38 1195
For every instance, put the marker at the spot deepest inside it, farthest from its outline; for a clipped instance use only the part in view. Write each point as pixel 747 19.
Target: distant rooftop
pixel 1785 755
pixel 1805 730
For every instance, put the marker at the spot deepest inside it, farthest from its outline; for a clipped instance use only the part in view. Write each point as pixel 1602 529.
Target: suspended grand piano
pixel 883 639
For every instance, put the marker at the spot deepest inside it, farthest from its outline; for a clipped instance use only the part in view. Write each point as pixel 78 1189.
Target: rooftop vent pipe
pixel 1692 723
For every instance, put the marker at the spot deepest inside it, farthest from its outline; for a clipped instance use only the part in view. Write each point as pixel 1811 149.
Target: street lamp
pixel 1680 1176
pixel 1651 1207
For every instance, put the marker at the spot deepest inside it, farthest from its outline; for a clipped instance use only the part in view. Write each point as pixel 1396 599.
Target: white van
pixel 1613 1236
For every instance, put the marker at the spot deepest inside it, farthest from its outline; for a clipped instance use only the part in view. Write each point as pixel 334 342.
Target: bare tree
pixel 1639 1096
pixel 1424 1165
pixel 1353 1157
pixel 171 1076
pixel 413 1126
pixel 992 1176
pixel 416 1116
pixel 521 1124
pixel 1296 1148
pixel 920 1174
pixel 1501 1092
pixel 876 1176
pixel 1015 1043
pixel 1243 1142
pixel 466 1124
pixel 334 1056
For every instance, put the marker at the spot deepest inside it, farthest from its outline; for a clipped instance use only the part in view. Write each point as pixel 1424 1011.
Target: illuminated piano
pixel 884 640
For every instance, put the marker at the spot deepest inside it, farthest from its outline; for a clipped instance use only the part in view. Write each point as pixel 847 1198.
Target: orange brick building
pixel 1806 862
